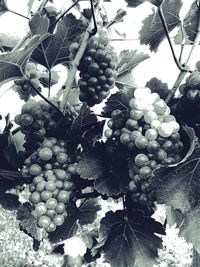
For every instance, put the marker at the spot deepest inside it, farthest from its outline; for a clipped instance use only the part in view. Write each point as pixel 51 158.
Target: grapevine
pixel 98 143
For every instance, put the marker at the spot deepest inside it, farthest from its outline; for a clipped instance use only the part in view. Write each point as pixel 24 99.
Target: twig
pixel 94 31
pixel 43 97
pixel 162 18
pixel 182 43
pixel 91 194
pixel 63 14
pixel 176 86
pixel 72 72
pixel 49 85
pixel 14 12
pixel 42 5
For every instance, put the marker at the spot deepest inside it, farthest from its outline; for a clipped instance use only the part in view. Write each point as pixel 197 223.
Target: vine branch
pixel 63 14
pixel 162 18
pixel 72 72
pixel 43 97
pixel 183 72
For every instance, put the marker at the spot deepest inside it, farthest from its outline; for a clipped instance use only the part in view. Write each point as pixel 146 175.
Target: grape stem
pixel 94 31
pixel 43 97
pixel 73 69
pixel 18 14
pixel 88 195
pixel 49 81
pixel 63 14
pixel 183 73
pixel 162 18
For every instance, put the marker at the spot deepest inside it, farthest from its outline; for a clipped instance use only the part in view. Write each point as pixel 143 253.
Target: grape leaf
pixel 127 239
pixel 179 185
pixel 128 60
pixel 55 49
pixel 152 32
pixel 10 179
pixel 67 229
pixel 118 100
pixel 27 221
pixel 158 86
pixel 181 37
pixel 13 63
pixel 9 201
pixel 90 167
pixel 85 120
pixel 88 211
pixel 189 228
pixel 125 81
pixel 39 25
pixel 107 165
pixel 191 22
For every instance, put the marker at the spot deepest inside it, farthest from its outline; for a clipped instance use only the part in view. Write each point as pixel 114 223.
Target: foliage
pixel 137 148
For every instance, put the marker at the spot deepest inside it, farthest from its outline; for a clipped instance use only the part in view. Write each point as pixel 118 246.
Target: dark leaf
pixel 118 100
pixel 88 211
pixel 189 228
pixel 85 120
pixel 36 245
pixel 94 133
pixel 9 201
pixel 128 60
pixel 55 49
pixel 67 229
pixel 90 167
pixel 107 165
pixel 134 3
pixel 11 155
pixel 131 239
pixel 179 185
pixel 191 22
pixel 152 32
pixel 10 179
pixel 13 63
pixel 27 221
pixel 39 25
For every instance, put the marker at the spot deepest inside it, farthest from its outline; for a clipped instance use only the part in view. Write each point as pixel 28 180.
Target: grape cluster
pixel 37 120
pixel 151 135
pixel 51 170
pixel 116 124
pixel 23 88
pixel 187 107
pixel 97 69
pixel 191 88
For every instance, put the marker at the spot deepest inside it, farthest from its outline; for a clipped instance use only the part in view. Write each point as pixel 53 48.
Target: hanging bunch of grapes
pixel 151 136
pixel 51 169
pixel 97 69
pixel 187 107
pixel 37 120
pixel 32 75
